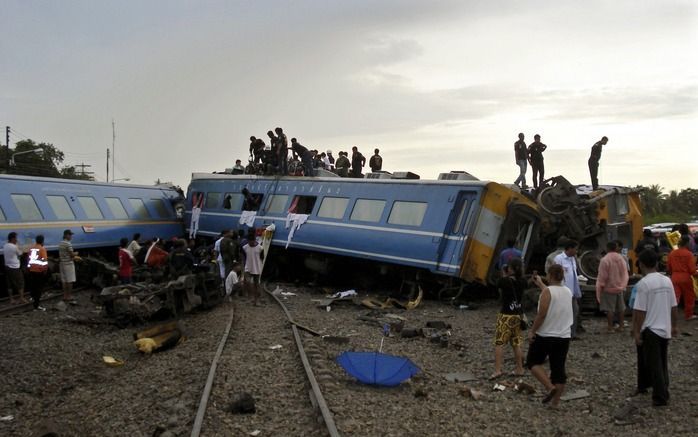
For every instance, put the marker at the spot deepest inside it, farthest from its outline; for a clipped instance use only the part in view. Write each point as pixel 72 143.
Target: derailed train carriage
pixel 98 213
pixel 446 232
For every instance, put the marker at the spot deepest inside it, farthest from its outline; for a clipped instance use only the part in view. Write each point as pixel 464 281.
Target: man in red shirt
pixel 126 262
pixel 681 266
pixel 610 284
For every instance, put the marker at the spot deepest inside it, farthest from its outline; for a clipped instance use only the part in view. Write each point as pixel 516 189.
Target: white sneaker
pixel 39 308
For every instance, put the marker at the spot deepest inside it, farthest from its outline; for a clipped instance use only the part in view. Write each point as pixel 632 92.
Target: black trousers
pixel 594 173
pixel 654 372
pixel 538 173
pixel 35 283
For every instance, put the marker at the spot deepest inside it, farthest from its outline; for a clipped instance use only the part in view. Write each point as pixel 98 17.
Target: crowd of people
pixel 533 155
pixel 281 158
pixel 654 300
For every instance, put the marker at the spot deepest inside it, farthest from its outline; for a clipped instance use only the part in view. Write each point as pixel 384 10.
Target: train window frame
pixel 407 217
pixel 368 210
pixel 329 210
pixel 2 216
pixel 34 214
pixel 89 209
pixel 60 207
pixel 277 203
pixel 462 217
pixel 234 201
pixel 210 203
pixel 302 204
pixel 160 208
pixel 119 213
pixel 139 208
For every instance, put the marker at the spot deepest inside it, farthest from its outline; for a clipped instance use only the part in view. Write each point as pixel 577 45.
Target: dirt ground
pixel 53 378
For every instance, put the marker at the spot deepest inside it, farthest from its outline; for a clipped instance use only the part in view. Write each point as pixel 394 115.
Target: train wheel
pixel 589 264
pixel 549 202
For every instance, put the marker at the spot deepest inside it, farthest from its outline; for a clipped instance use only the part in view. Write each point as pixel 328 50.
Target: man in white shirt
pixel 567 259
pixel 15 278
pixel 219 257
pixel 135 246
pixel 654 323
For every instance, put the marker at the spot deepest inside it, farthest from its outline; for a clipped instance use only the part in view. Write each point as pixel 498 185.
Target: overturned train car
pixel 446 232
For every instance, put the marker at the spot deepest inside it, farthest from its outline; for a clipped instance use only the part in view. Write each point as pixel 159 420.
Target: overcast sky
pixel 436 85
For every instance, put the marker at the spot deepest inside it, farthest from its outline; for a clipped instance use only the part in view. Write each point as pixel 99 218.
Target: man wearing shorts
pixel 254 254
pixel 610 285
pixel 15 279
pixel 66 257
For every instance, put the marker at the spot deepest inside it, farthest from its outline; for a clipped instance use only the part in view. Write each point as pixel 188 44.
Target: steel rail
pixel 327 416
pixel 18 308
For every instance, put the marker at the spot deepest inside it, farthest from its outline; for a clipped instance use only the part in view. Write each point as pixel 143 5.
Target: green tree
pixel 47 161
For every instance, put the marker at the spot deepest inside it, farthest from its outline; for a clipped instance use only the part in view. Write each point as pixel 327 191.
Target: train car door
pixel 454 237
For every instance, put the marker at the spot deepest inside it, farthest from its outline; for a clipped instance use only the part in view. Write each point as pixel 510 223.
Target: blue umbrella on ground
pixel 377 368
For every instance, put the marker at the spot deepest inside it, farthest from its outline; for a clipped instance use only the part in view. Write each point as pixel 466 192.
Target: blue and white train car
pixel 98 213
pixel 449 228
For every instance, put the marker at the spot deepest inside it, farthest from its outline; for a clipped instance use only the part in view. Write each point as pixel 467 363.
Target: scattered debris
pixel 409 332
pixel 524 388
pixel 160 337
pixel 344 294
pixel 460 377
pixel 420 393
pixel 391 302
pixel 60 306
pixel 243 404
pixel 574 395
pixel 255 433
pixel 275 347
pixel 471 393
pixel 438 325
pixel 112 362
pixel 598 355
pixel 499 387
pixel 7 418
pixel 376 368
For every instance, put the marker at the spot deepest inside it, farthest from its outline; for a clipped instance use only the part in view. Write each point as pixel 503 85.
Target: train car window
pixel 26 206
pixel 252 202
pixel 622 207
pixel 302 205
pixel 61 208
pixel 232 201
pixel 89 205
pixel 116 207
pixel 2 216
pixel 277 204
pixel 333 207
pixel 139 207
pixel 212 200
pixel 368 210
pixel 160 208
pixel 407 213
pixel 461 217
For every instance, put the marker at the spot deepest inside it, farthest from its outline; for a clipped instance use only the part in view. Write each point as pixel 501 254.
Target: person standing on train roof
pixel 274 155
pixel 593 162
pixel 521 158
pixel 376 161
pixel 342 165
pixel 67 257
pixel 37 274
pixel 13 272
pixel 358 161
pixel 330 158
pixel 135 245
pixel 282 150
pixel 126 262
pixel 300 151
pixel 535 157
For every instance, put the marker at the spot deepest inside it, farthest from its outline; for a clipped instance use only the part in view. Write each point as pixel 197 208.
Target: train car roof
pixel 82 182
pixel 223 176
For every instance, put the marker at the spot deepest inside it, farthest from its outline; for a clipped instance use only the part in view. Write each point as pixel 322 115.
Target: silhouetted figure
pixel 535 157
pixel 594 159
pixel 256 149
pixel 282 150
pixel 376 161
pixel 273 157
pixel 521 157
pixel 342 164
pixel 357 162
pixel 301 152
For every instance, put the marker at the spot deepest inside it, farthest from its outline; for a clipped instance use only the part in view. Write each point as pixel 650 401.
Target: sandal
pixel 549 396
pixel 495 376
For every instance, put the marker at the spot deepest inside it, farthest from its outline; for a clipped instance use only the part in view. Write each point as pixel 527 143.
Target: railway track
pixel 210 410
pixel 7 309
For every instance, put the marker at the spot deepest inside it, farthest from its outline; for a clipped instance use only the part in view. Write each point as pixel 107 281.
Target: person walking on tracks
pixel 535 157
pixel 610 285
pixel 654 323
pixel 254 255
pixel 593 162
pixel 508 331
pixel 37 267
pixel 13 272
pixel 549 337
pixel 67 257
pixel 568 260
pixel 521 158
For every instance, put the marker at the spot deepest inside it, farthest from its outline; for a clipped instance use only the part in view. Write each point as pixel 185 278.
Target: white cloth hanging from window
pixel 294 221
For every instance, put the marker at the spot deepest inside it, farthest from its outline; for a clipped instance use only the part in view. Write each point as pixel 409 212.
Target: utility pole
pixel 113 150
pixel 107 164
pixel 7 149
pixel 82 169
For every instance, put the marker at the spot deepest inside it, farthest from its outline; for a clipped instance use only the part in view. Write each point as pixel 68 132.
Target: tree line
pixel 46 161
pixel 672 207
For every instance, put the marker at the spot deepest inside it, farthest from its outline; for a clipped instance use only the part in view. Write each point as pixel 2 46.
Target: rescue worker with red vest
pixel 37 267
